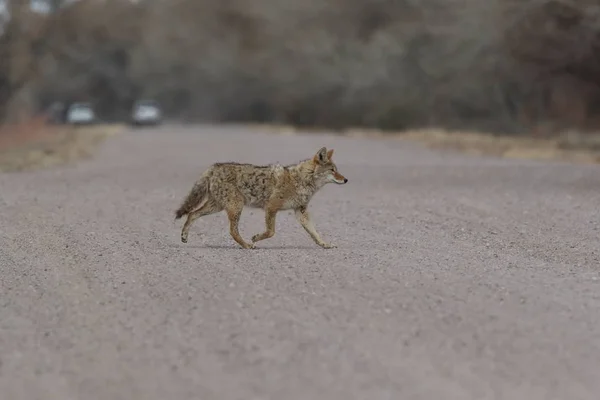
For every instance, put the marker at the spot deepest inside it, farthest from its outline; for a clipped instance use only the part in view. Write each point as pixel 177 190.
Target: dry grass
pixel 35 144
pixel 570 147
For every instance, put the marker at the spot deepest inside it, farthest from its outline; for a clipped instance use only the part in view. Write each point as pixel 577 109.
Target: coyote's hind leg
pixel 234 211
pixel 210 207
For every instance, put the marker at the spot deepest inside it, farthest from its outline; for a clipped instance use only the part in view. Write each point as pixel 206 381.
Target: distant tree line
pixel 509 66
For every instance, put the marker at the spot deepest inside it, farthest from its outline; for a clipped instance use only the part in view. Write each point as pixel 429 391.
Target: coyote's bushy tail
pixel 195 197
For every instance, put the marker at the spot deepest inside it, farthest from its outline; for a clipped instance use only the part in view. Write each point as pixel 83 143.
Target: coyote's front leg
pixel 303 217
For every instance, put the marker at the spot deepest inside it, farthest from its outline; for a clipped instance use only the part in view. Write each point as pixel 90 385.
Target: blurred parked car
pixel 146 112
pixel 80 114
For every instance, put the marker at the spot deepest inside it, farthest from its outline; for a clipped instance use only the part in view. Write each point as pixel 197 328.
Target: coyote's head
pixel 325 169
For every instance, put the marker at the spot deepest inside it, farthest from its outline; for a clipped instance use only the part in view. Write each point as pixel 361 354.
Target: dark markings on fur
pixel 220 164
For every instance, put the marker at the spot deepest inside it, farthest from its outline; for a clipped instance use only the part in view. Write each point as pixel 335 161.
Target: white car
pixel 80 114
pixel 146 112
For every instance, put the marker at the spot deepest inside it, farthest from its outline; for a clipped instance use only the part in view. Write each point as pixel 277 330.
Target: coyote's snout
pixel 232 186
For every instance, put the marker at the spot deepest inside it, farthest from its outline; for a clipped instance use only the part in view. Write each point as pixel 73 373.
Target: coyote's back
pixel 224 181
pixel 255 183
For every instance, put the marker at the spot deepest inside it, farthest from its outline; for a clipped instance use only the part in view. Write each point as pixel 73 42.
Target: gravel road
pixel 455 277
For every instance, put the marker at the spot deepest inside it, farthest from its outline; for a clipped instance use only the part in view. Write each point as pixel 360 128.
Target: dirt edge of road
pixel 572 147
pixel 39 147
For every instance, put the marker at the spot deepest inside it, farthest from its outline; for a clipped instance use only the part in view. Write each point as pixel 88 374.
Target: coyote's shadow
pixel 235 247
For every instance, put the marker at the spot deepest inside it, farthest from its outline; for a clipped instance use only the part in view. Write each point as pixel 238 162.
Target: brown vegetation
pixel 35 144
pixel 507 66
pixel 582 149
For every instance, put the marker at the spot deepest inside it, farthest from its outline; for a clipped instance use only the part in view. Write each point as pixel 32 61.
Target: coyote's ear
pixel 321 156
pixel 329 154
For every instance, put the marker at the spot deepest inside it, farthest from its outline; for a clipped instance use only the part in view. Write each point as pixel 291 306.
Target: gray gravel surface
pixel 455 277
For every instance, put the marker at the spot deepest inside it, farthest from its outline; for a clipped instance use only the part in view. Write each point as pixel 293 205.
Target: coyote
pixel 231 186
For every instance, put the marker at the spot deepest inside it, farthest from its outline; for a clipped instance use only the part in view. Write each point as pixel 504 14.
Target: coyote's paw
pixel 184 238
pixel 328 245
pixel 249 246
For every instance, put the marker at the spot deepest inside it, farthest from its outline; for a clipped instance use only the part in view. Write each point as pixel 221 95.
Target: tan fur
pixel 273 188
